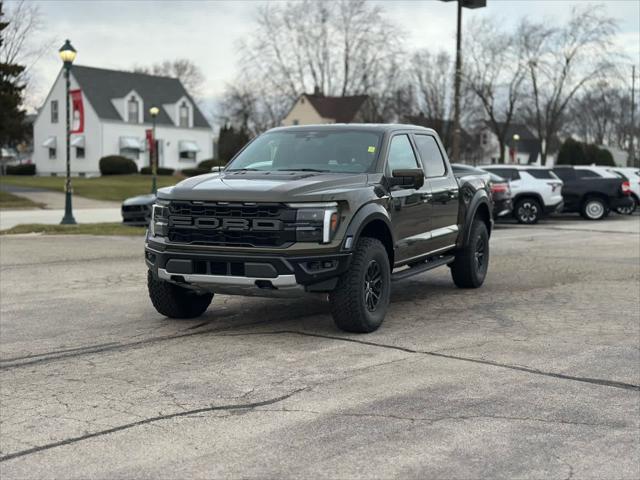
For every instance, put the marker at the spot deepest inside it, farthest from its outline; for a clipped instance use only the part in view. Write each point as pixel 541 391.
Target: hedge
pixel 161 171
pixel 24 169
pixel 192 172
pixel 117 165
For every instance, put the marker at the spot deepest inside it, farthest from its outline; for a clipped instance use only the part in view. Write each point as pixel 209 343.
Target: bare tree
pixel 495 73
pixel 19 45
pixel 560 62
pixel 185 70
pixel 346 47
pixel 432 75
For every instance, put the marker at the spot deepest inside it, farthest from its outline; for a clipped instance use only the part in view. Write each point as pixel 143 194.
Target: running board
pixel 422 267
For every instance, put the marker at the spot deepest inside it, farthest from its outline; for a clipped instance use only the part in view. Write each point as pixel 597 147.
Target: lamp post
pixel 455 154
pixel 516 138
pixel 68 55
pixel 154 111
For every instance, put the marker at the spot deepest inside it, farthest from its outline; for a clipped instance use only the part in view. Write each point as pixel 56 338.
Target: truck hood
pixel 265 187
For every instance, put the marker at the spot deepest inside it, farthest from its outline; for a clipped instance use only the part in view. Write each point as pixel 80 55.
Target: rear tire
pixel 470 267
pixel 360 301
pixel 174 301
pixel 593 208
pixel 527 211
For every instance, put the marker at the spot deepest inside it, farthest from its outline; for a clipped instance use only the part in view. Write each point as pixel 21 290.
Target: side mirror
pixel 407 178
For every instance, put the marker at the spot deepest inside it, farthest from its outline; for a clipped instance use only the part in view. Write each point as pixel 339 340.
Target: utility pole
pixel 455 149
pixel 631 161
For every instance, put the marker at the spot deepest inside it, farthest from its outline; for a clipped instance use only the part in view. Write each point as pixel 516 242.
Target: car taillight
pixel 626 188
pixel 499 187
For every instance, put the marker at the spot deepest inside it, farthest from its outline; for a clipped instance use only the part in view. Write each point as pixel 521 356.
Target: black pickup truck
pixel 336 209
pixel 592 197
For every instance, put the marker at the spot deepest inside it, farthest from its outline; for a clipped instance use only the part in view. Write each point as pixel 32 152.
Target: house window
pixel 133 110
pixel 296 122
pixel 54 111
pixel 187 156
pixel 484 139
pixel 52 153
pixel 184 115
pixel 132 153
pixel 79 152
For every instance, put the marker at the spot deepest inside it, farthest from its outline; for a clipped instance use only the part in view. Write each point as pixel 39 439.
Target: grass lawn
pixel 82 229
pixel 9 201
pixel 113 187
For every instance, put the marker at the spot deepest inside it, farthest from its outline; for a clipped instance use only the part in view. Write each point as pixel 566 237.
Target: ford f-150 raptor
pixel 338 209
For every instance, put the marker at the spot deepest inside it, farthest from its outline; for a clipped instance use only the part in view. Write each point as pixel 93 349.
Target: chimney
pixel 317 92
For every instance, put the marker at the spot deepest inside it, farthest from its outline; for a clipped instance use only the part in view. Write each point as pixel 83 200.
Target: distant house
pixel 468 143
pixel 111 114
pixel 525 150
pixel 319 109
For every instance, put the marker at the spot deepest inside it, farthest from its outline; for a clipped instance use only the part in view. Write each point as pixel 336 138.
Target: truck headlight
pixel 316 222
pixel 158 225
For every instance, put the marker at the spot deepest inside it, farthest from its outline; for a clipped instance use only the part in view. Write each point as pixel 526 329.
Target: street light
pixel 68 55
pixel 516 138
pixel 458 74
pixel 154 111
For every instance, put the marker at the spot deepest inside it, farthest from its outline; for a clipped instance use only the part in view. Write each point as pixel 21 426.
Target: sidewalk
pixel 85 210
pixel 55 200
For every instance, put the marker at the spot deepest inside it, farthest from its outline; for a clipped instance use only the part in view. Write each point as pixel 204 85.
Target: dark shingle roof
pixel 101 86
pixel 341 109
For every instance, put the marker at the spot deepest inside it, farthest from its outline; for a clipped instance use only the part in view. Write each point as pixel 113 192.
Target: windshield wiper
pixel 301 170
pixel 243 170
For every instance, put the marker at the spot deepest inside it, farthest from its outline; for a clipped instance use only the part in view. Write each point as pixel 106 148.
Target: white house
pixel 522 146
pixel 111 112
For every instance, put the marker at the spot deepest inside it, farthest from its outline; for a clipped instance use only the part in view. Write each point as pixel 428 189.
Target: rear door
pixel 444 192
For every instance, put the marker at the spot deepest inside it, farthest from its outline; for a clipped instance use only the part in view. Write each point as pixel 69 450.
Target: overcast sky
pixel 120 34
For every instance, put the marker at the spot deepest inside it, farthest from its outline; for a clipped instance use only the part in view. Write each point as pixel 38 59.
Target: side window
pixel 565 173
pixel 430 155
pixel 401 154
pixel 506 173
pixel 588 174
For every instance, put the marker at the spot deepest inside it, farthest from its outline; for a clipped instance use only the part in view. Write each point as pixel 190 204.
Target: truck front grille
pixel 231 224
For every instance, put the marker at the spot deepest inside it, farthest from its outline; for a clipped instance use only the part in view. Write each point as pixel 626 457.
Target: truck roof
pixel 372 127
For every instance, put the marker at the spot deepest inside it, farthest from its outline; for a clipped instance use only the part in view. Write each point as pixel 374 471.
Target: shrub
pixel 192 172
pixel 605 158
pixel 591 153
pixel 571 153
pixel 211 162
pixel 24 169
pixel 117 165
pixel 161 171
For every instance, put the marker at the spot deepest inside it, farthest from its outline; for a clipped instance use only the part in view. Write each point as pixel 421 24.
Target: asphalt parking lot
pixel 536 375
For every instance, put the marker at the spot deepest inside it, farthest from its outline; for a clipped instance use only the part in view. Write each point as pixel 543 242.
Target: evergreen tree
pixel 230 141
pixel 12 121
pixel 571 153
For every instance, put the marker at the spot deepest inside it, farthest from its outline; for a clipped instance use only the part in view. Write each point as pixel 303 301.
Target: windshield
pixel 345 151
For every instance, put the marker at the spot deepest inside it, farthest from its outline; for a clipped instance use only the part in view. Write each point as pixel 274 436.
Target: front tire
pixel 360 301
pixel 174 301
pixel 593 208
pixel 527 211
pixel 470 267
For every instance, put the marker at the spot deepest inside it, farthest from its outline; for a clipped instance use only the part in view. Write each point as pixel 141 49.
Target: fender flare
pixel 480 198
pixel 365 215
pixel 534 195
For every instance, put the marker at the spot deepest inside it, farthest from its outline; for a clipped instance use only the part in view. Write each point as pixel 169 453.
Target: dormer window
pixel 133 110
pixel 183 120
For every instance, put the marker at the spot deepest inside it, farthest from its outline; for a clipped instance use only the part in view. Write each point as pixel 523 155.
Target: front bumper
pixel 248 274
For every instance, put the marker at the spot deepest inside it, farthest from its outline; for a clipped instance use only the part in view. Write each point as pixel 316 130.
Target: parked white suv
pixel 633 175
pixel 536 191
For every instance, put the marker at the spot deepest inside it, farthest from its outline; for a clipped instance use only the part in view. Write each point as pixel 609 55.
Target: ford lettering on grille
pixel 230 224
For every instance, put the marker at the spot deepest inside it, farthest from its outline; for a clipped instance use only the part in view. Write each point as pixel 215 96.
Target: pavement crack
pixel 119 428
pixel 534 371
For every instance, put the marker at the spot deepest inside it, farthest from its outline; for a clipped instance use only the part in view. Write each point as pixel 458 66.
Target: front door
pixel 444 193
pixel 409 206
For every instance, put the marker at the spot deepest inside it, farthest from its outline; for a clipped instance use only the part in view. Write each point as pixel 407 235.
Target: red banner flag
pixel 77 109
pixel 150 144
